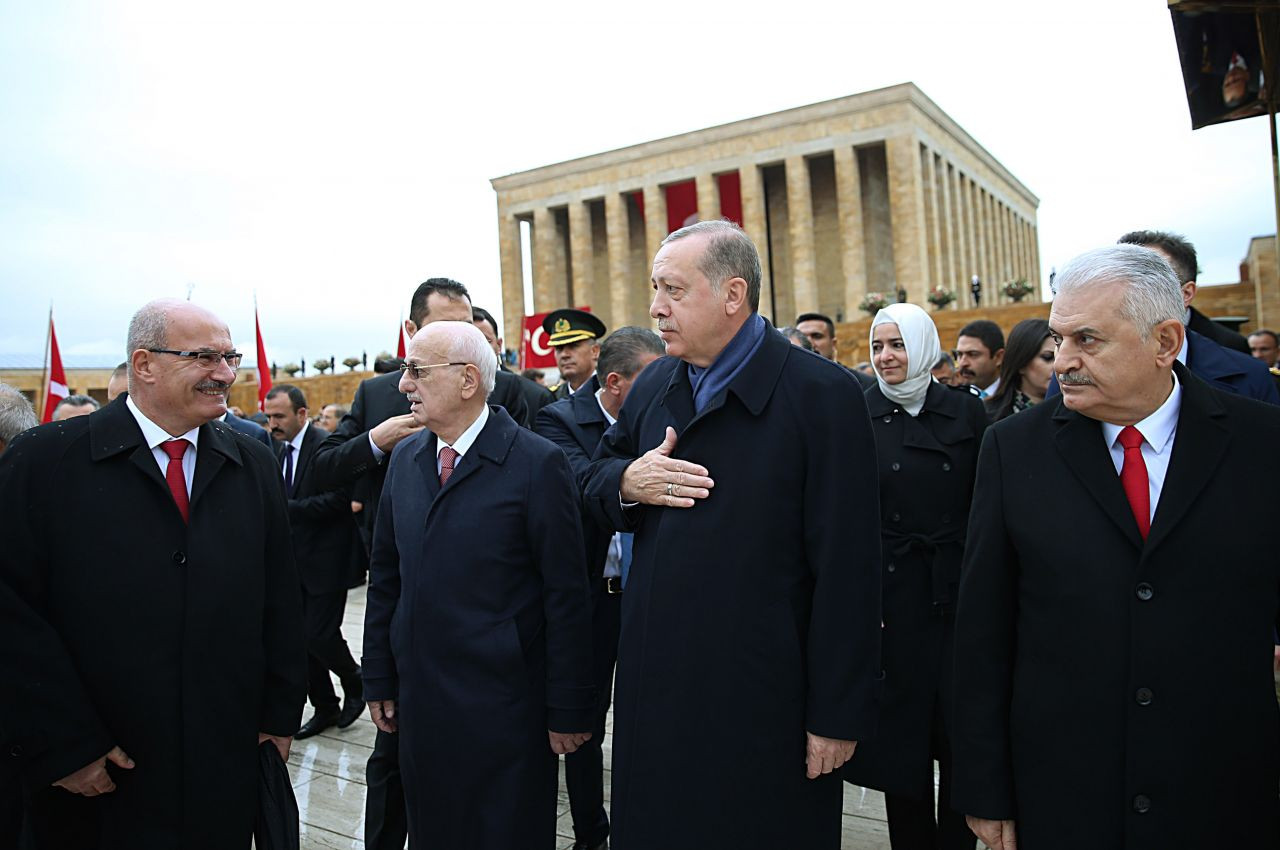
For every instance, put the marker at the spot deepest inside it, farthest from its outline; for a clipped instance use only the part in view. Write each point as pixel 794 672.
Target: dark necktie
pixel 448 457
pixel 288 469
pixel 175 449
pixel 1133 477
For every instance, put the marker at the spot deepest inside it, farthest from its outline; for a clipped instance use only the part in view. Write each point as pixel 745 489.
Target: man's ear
pixel 410 328
pixel 1168 335
pixel 998 357
pixel 735 295
pixel 470 380
pixel 612 382
pixel 141 363
pixel 1188 292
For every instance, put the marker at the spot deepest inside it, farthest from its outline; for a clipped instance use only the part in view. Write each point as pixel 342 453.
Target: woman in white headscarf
pixel 927 439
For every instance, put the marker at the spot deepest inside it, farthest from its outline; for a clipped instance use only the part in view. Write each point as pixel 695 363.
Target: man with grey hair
pixel 576 424
pixel 140 682
pixel 477 642
pixel 750 645
pixel 119 381
pixel 74 405
pixel 1114 647
pixel 16 415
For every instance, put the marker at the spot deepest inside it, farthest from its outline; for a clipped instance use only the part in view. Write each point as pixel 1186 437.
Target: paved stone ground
pixel 329 782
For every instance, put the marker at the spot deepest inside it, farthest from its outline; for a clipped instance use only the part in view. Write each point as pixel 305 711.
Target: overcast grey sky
pixel 329 157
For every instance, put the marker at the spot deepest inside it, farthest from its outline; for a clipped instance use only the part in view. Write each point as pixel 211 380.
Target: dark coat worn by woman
pixel 927 466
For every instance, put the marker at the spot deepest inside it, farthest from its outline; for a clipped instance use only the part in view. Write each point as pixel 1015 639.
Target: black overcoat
pixel 326 541
pixel 927 465
pixel 478 624
pixel 179 643
pixel 753 616
pixel 1109 692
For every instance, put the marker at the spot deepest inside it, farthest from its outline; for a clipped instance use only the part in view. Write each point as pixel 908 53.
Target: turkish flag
pixel 57 377
pixel 534 352
pixel 400 345
pixel 264 371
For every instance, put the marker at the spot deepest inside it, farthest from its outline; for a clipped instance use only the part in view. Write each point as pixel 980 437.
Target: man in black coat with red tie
pixel 357 451
pixel 140 681
pixel 576 424
pixel 1118 597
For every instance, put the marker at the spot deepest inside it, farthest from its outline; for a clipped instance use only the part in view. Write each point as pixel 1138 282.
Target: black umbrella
pixel 277 826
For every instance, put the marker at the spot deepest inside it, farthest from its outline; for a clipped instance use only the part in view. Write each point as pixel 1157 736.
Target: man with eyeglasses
pixel 139 683
pixel 356 455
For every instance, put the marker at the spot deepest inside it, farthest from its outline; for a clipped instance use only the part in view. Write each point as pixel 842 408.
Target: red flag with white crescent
pixel 57 377
pixel 264 371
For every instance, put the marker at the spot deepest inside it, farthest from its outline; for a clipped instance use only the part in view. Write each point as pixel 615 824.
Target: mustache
pixel 223 386
pixel 1075 379
pixel 968 373
pixel 665 326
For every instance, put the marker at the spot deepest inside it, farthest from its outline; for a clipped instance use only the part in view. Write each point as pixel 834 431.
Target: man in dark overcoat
pixel 356 455
pixel 576 424
pixel 477 646
pixel 153 668
pixel 1118 597
pixel 750 646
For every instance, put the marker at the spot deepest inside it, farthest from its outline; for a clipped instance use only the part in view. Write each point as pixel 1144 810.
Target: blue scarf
pixel 707 383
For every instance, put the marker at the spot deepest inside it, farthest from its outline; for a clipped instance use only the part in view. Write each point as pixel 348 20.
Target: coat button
pixel 16 751
pixel 179 557
pixel 887 420
pixel 891 567
pixel 946 467
pixel 1145 591
pixel 895 516
pixel 895 466
pixel 1142 804
pixel 1143 696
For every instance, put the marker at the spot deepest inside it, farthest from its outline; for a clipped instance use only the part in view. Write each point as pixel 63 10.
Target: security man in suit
pixel 576 424
pixel 535 395
pixel 325 542
pixel 574 336
pixel 356 455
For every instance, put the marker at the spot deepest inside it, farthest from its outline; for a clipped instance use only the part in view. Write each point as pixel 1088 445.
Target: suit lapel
pixel 1198 446
pixel 217 446
pixel 310 441
pixel 1084 451
pixel 492 445
pixel 678 398
pixel 589 418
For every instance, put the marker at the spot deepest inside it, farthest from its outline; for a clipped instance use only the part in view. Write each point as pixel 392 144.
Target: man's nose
pixel 657 309
pixel 406 383
pixel 224 372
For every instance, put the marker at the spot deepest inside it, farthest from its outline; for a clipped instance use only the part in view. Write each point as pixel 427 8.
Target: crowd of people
pixel 1023 563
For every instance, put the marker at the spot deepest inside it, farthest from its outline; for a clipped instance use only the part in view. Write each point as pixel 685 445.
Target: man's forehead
pixel 812 326
pixel 971 343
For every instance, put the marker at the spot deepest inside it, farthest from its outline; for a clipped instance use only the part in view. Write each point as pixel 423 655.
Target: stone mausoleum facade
pixel 880 191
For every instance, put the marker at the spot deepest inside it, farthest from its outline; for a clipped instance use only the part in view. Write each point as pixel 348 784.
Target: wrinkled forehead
pixel 196 331
pixel 1096 305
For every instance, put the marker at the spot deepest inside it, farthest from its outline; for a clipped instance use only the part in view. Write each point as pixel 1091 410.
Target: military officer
pixel 575 337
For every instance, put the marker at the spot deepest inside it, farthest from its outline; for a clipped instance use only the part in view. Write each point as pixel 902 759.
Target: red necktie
pixel 175 449
pixel 1133 477
pixel 448 457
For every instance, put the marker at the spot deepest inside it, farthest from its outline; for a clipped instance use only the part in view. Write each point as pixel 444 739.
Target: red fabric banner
pixel 57 377
pixel 400 344
pixel 534 351
pixel 264 368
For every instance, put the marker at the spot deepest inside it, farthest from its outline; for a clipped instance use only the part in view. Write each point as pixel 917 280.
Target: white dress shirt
pixel 464 442
pixel 612 561
pixel 990 390
pixel 1158 431
pixel 155 435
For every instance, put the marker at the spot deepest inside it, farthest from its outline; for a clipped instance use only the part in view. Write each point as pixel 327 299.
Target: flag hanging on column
pixel 264 370
pixel 400 345
pixel 57 377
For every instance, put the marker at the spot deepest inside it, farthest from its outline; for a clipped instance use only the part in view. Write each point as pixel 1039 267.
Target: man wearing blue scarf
pixel 749 654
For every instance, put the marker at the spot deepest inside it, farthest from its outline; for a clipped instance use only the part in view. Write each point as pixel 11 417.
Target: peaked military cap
pixel 566 326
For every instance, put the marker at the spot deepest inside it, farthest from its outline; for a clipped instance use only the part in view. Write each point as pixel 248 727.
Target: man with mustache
pixel 325 545
pixel 750 642
pixel 979 353
pixel 1113 647
pixel 139 682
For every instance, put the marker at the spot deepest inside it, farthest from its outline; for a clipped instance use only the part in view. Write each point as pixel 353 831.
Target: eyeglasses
pixel 208 360
pixel 416 372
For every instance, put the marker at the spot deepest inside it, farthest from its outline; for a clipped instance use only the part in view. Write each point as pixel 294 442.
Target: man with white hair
pixel 477 643
pixel 1118 597
pixel 16 415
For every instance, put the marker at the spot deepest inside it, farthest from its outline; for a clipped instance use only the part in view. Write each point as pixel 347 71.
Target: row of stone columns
pixel 945 227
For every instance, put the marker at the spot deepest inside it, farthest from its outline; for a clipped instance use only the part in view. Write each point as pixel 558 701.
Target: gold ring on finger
pixel 670 489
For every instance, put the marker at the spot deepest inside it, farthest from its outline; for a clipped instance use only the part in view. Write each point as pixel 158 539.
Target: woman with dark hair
pixel 1026 370
pixel 927 438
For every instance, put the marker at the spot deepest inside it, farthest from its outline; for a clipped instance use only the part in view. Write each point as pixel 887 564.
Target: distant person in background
pixel 330 416
pixel 118 382
pixel 796 338
pixel 235 410
pixel 979 350
pixel 1264 346
pixel 16 415
pixel 1181 254
pixel 536 395
pixel 944 371
pixel 536 375
pixel 821 332
pixel 74 405
pixel 574 336
pixel 864 369
pixel 1026 371
pixel 387 365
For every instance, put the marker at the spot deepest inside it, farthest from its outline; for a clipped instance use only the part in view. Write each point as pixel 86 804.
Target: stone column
pixel 548 287
pixel 617 227
pixel 906 215
pixel 935 220
pixel 985 267
pixel 950 230
pixel 755 223
pixel 582 289
pixel 849 214
pixel 800 233
pixel 512 280
pixel 655 218
pixel 708 197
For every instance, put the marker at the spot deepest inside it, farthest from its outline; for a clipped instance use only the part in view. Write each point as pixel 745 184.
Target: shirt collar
pixel 153 433
pixel 1157 429
pixel 1186 346
pixel 600 401
pixel 463 444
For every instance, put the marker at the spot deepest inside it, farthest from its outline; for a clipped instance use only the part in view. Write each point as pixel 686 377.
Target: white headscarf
pixel 920 337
